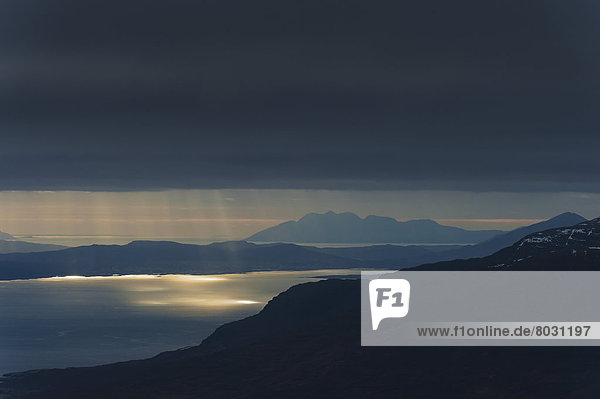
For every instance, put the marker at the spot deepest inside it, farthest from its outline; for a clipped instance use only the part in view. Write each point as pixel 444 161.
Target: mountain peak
pixel 571 217
pixel 329 215
pixel 340 214
pixel 375 218
pixel 347 227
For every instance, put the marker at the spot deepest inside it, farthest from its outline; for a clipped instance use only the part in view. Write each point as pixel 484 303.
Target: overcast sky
pixel 457 95
pixel 216 118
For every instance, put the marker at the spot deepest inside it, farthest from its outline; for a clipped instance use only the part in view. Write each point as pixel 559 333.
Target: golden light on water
pixel 120 277
pixel 146 289
pixel 189 277
pixel 185 294
pixel 178 277
pixel 152 303
pixel 199 302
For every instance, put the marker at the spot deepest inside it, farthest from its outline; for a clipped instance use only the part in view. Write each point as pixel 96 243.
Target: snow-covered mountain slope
pixel 566 248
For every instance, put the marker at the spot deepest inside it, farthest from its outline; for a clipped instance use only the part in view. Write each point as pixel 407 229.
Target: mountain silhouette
pixel 10 246
pixel 413 255
pixel 6 236
pixel 347 227
pixel 506 239
pixel 564 248
pixel 165 257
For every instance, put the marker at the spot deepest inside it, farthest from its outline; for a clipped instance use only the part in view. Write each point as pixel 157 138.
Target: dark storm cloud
pixel 490 95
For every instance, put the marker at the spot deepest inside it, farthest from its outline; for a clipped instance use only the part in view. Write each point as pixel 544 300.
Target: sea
pixel 84 321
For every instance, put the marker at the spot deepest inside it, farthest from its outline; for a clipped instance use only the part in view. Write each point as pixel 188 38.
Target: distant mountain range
pixel 163 257
pixel 347 227
pixel 6 236
pixel 11 246
pixel 395 256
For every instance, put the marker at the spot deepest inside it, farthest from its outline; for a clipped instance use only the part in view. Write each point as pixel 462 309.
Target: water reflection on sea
pixel 79 321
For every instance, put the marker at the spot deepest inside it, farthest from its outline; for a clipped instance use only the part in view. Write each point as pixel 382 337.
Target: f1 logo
pixel 389 298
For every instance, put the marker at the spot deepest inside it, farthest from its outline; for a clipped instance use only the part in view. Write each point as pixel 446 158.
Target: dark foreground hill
pixel 306 344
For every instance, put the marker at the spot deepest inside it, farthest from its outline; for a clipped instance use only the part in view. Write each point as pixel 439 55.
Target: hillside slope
pixel 504 240
pixel 564 248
